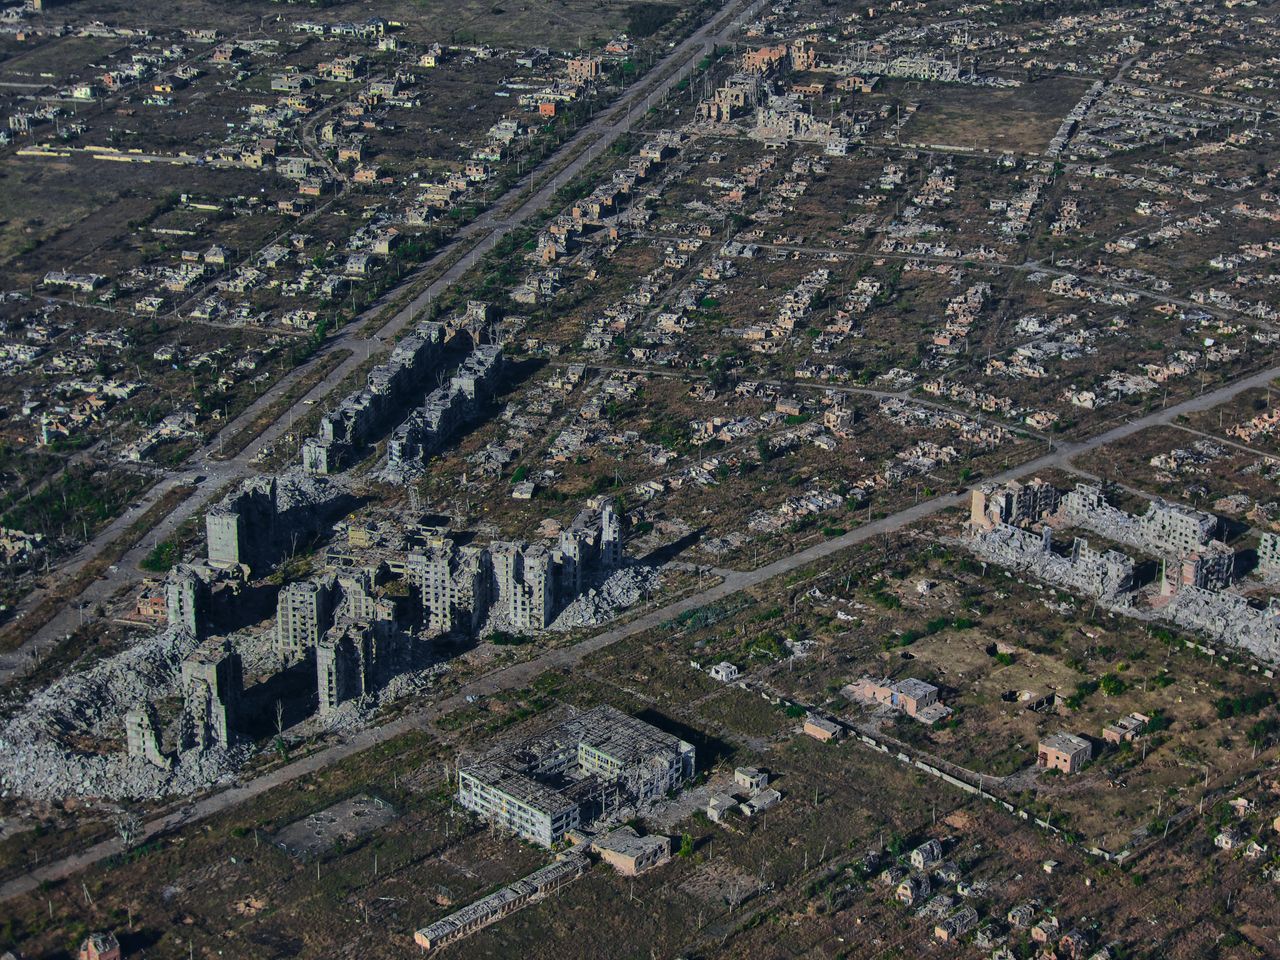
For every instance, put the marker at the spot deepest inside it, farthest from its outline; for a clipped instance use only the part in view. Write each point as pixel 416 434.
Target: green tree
pixel 1112 686
pixel 686 846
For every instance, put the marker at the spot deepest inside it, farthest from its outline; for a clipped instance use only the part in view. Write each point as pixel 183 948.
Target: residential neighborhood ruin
pixel 661 479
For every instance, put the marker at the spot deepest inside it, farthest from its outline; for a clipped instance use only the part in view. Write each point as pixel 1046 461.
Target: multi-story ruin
pixel 454 585
pixel 1195 573
pixel 355 636
pixel 186 599
pixel 357 657
pixel 304 611
pixel 1106 575
pixel 1182 537
pixel 786 119
pixel 739 93
pixel 1014 503
pixel 532 582
pixel 1166 529
pixel 446 409
pixel 1269 552
pixel 579 772
pixel 1209 569
pixel 142 736
pixel 877 59
pixel 212 683
pixel 390 386
pixel 268 518
pixel 1229 618
pixel 527 584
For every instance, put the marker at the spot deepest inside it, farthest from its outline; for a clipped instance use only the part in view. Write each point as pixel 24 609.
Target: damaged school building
pixel 576 776
pixel 1012 525
pixel 572 784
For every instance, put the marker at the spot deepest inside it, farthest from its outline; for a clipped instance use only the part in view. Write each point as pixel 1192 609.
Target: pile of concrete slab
pixel 598 605
pixel 37 756
pixel 1229 618
pixel 1106 575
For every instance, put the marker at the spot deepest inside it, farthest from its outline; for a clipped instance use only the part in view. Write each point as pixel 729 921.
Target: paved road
pixel 520 675
pixel 510 211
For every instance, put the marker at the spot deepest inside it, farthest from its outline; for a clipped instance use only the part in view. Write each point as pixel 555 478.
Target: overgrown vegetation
pixel 645 19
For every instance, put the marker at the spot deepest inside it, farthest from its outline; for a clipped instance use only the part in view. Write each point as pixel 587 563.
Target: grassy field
pixel 560 24
pixel 1021 119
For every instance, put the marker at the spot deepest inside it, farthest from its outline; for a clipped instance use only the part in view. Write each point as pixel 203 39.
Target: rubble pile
pixel 35 762
pixel 598 605
pixel 94 700
pixel 1229 618
pixel 1106 575
pixel 48 771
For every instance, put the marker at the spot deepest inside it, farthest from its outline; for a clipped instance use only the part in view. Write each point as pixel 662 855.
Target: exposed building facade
pixel 212 684
pixel 186 599
pixel 267 518
pixel 1063 751
pixel 1014 503
pixel 304 611
pixel 575 773
pixel 389 387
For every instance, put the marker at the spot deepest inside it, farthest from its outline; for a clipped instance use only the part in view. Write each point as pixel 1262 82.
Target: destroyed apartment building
pixel 360 637
pixel 1182 537
pixel 525 585
pixel 267 517
pixel 1104 575
pixel 402 381
pixel 370 616
pixel 878 59
pixel 445 409
pixel 1012 525
pixel 578 775
pixel 785 119
pixel 360 416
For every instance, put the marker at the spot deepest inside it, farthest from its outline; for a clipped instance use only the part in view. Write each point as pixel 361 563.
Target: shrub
pixel 503 638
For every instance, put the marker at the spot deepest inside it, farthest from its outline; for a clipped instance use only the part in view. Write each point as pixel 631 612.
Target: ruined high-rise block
pixel 212 682
pixel 525 584
pixel 186 598
pixel 142 738
pixel 610 536
pixel 453 585
pixel 304 611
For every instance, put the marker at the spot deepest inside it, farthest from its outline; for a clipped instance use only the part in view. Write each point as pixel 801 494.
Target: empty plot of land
pixel 335 825
pixel 1022 119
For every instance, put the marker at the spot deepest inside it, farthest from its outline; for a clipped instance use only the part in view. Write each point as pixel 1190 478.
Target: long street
pixel 524 200
pixel 520 675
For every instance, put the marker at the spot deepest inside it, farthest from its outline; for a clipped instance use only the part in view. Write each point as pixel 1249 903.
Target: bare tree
pixel 128 828
pixel 279 718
